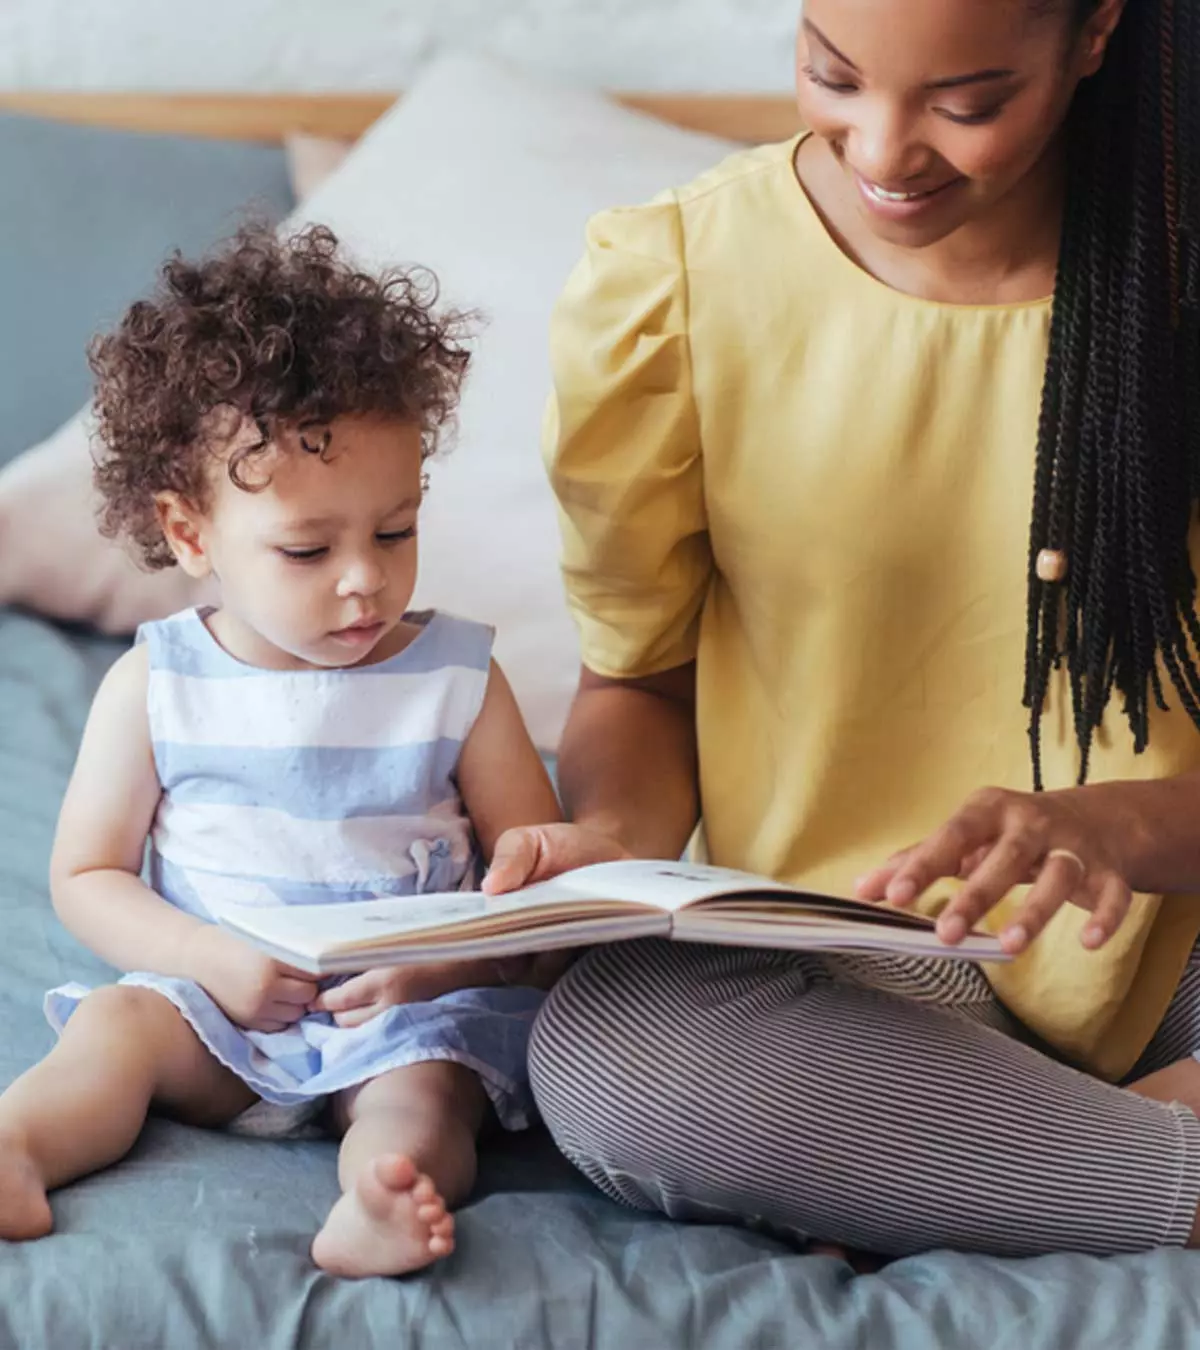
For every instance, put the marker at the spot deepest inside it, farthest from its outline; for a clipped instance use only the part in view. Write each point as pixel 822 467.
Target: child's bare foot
pixel 24 1209
pixel 393 1220
pixel 862 1263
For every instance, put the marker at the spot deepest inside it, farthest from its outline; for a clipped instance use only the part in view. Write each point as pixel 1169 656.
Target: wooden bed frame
pixel 272 117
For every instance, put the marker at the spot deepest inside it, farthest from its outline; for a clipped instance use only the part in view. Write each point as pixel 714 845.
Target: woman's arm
pixel 627 769
pixel 627 766
pixel 1154 829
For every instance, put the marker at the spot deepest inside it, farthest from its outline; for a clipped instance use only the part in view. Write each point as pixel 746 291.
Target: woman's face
pixel 936 110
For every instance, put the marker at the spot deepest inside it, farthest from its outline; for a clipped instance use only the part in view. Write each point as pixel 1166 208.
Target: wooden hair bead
pixel 1051 565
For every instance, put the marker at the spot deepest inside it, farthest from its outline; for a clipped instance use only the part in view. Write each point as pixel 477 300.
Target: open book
pixel 607 902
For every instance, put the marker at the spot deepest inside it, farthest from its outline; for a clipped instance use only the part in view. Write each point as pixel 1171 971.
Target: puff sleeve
pixel 622 446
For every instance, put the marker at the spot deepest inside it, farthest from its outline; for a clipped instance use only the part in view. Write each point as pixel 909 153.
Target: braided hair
pixel 1118 451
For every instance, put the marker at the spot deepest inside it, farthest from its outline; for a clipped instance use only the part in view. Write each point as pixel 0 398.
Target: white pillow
pixel 311 160
pixel 54 559
pixel 487 177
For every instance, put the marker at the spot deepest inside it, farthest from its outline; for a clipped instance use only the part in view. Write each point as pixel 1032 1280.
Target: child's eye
pixel 396 536
pixel 302 555
pixel 832 85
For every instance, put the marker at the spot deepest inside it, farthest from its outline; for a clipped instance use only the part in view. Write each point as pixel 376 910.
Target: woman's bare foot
pixel 392 1220
pixel 24 1209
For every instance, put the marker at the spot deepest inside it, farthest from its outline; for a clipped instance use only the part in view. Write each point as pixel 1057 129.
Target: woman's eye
pixel 975 119
pixel 396 536
pixel 834 86
pixel 303 554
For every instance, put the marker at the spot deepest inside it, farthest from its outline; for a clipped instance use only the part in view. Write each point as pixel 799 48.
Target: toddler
pixel 264 420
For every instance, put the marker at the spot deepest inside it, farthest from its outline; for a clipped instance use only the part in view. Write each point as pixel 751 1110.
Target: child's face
pixel 320 563
pixel 936 110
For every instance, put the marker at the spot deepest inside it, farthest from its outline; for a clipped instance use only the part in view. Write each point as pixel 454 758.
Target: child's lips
pixel 357 634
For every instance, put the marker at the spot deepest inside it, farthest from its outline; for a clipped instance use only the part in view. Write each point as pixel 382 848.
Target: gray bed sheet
pixel 200 1239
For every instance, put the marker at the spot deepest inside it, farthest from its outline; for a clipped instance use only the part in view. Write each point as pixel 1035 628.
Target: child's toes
pixel 441 1237
pixel 424 1192
pixel 397 1173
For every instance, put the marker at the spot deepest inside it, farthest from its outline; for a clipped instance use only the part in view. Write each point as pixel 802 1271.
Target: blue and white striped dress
pixel 315 787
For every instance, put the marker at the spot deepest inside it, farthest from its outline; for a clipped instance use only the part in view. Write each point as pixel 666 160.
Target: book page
pixel 676 887
pixel 449 944
pixel 827 932
pixel 665 885
pixel 443 916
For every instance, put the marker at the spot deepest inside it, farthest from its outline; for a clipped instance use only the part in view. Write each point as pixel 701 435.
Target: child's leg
pixel 124 1049
pixel 408 1153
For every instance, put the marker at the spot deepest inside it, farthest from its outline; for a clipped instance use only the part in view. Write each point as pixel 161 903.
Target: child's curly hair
pixel 280 330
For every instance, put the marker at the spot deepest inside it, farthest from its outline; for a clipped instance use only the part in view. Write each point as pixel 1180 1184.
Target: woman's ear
pixel 181 524
pixel 1098 31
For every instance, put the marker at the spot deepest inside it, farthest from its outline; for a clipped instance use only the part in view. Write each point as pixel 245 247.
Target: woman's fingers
pixel 973 860
pixel 1000 840
pixel 873 885
pixel 1061 876
pixel 1111 907
pixel 514 860
pixel 942 854
pixel 1003 866
pixel 537 853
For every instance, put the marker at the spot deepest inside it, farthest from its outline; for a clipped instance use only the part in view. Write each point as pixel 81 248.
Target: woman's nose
pixel 882 148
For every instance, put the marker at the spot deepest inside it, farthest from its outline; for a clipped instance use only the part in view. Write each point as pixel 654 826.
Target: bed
pixel 200 1239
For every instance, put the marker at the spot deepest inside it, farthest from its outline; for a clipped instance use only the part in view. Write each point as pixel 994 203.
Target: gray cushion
pixel 86 216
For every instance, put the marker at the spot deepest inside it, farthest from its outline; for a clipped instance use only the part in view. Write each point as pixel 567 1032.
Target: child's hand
pixel 538 852
pixel 367 995
pixel 524 855
pixel 249 988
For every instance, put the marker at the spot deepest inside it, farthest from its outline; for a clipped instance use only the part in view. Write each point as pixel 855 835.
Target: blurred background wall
pixel 309 45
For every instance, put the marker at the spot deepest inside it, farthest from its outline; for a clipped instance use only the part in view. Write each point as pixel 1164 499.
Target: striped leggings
pixel 885 1103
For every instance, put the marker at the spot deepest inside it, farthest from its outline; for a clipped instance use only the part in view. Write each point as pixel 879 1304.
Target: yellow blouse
pixel 820 488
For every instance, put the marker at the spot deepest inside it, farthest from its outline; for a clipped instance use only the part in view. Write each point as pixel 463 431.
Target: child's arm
pixel 98 849
pixel 503 782
pixel 504 786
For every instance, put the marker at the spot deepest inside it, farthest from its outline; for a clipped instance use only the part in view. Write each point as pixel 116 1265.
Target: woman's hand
pixel 252 990
pixel 999 840
pixel 522 856
pixel 539 852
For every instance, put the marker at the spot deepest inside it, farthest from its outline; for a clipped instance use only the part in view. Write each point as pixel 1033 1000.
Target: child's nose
pixel 361 578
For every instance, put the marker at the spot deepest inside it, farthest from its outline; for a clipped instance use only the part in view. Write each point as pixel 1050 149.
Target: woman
pixel 802 409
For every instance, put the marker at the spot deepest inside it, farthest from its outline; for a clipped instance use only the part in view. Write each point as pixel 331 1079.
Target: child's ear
pixel 180 524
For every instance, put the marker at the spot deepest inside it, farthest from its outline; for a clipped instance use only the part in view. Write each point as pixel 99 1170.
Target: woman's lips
pixel 901 204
